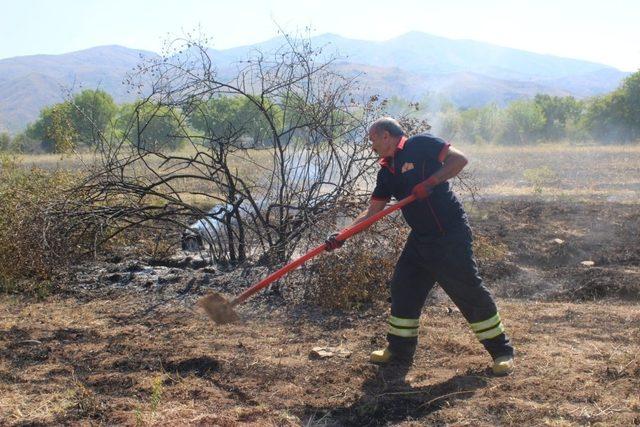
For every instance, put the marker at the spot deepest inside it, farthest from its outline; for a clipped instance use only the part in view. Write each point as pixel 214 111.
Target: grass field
pixel 122 342
pixel 582 172
pixel 547 171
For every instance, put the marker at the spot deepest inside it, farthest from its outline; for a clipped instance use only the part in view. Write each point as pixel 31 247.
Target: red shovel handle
pixel 362 225
pixel 344 235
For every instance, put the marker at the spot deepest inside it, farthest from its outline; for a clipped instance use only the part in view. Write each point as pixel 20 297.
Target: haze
pixel 604 32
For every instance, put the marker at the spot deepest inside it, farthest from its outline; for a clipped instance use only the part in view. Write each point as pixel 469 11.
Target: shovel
pixel 221 311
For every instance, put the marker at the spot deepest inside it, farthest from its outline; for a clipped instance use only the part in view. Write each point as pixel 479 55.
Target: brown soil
pixel 139 354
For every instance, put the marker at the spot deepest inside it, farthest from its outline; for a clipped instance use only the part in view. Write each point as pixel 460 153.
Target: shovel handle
pixel 362 225
pixel 344 235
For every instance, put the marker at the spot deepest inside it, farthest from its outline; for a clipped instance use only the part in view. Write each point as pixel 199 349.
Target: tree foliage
pixel 560 114
pixel 80 121
pixel 234 114
pixel 55 128
pixel 150 126
pixel 616 116
pixel 5 141
pixel 91 115
pixel 522 123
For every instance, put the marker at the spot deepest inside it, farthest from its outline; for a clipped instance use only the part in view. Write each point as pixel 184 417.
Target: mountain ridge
pixel 468 72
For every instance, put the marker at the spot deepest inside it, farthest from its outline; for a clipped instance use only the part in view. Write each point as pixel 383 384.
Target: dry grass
pixel 250 164
pixel 576 172
pixel 75 360
pixel 580 172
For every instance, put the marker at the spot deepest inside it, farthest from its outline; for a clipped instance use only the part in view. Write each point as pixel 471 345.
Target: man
pixel 438 247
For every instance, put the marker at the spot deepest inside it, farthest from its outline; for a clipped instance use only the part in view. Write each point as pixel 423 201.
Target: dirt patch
pixel 534 249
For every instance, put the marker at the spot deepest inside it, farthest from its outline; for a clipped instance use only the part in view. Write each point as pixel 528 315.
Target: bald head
pixel 388 124
pixel 385 133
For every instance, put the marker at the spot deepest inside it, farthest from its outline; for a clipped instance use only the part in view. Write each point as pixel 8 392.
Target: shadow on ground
pixel 388 398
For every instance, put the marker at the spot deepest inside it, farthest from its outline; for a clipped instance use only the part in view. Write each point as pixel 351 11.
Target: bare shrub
pixel 275 143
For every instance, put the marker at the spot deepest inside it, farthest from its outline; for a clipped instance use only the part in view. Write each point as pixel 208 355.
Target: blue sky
pixel 601 31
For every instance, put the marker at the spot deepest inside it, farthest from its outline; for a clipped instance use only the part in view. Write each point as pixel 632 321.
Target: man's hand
pixel 332 243
pixel 424 189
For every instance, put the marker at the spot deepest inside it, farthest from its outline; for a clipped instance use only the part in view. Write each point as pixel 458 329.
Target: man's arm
pixel 453 163
pixel 375 206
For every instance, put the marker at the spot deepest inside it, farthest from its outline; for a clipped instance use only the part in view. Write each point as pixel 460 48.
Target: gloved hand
pixel 424 189
pixel 332 243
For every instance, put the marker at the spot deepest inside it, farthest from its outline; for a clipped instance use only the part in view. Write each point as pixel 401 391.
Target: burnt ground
pixel 123 344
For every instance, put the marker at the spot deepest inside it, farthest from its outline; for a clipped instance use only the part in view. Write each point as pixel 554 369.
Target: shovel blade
pixel 218 308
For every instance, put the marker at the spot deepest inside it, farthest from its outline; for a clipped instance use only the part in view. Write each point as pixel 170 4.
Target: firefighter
pixel 438 248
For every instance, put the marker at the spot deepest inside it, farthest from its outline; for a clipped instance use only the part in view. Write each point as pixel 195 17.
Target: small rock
pixel 325 352
pixel 558 241
pixel 588 263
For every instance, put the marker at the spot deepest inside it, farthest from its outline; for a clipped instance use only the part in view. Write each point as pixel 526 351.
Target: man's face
pixel 382 143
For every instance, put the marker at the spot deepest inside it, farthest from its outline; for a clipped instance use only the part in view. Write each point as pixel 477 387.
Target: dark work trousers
pixel 448 260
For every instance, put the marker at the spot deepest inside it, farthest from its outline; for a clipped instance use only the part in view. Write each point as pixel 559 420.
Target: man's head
pixel 385 133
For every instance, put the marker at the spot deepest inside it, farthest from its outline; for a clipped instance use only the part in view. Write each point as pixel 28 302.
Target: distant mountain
pixel 29 83
pixel 428 54
pixel 467 72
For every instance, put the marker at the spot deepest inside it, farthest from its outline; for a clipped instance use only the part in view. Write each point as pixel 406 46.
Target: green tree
pixel 69 124
pixel 22 143
pixel 233 115
pixel 5 141
pixel 479 125
pixel 559 114
pixel 54 128
pixel 150 126
pixel 630 111
pixel 616 116
pixel 92 115
pixel 522 123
